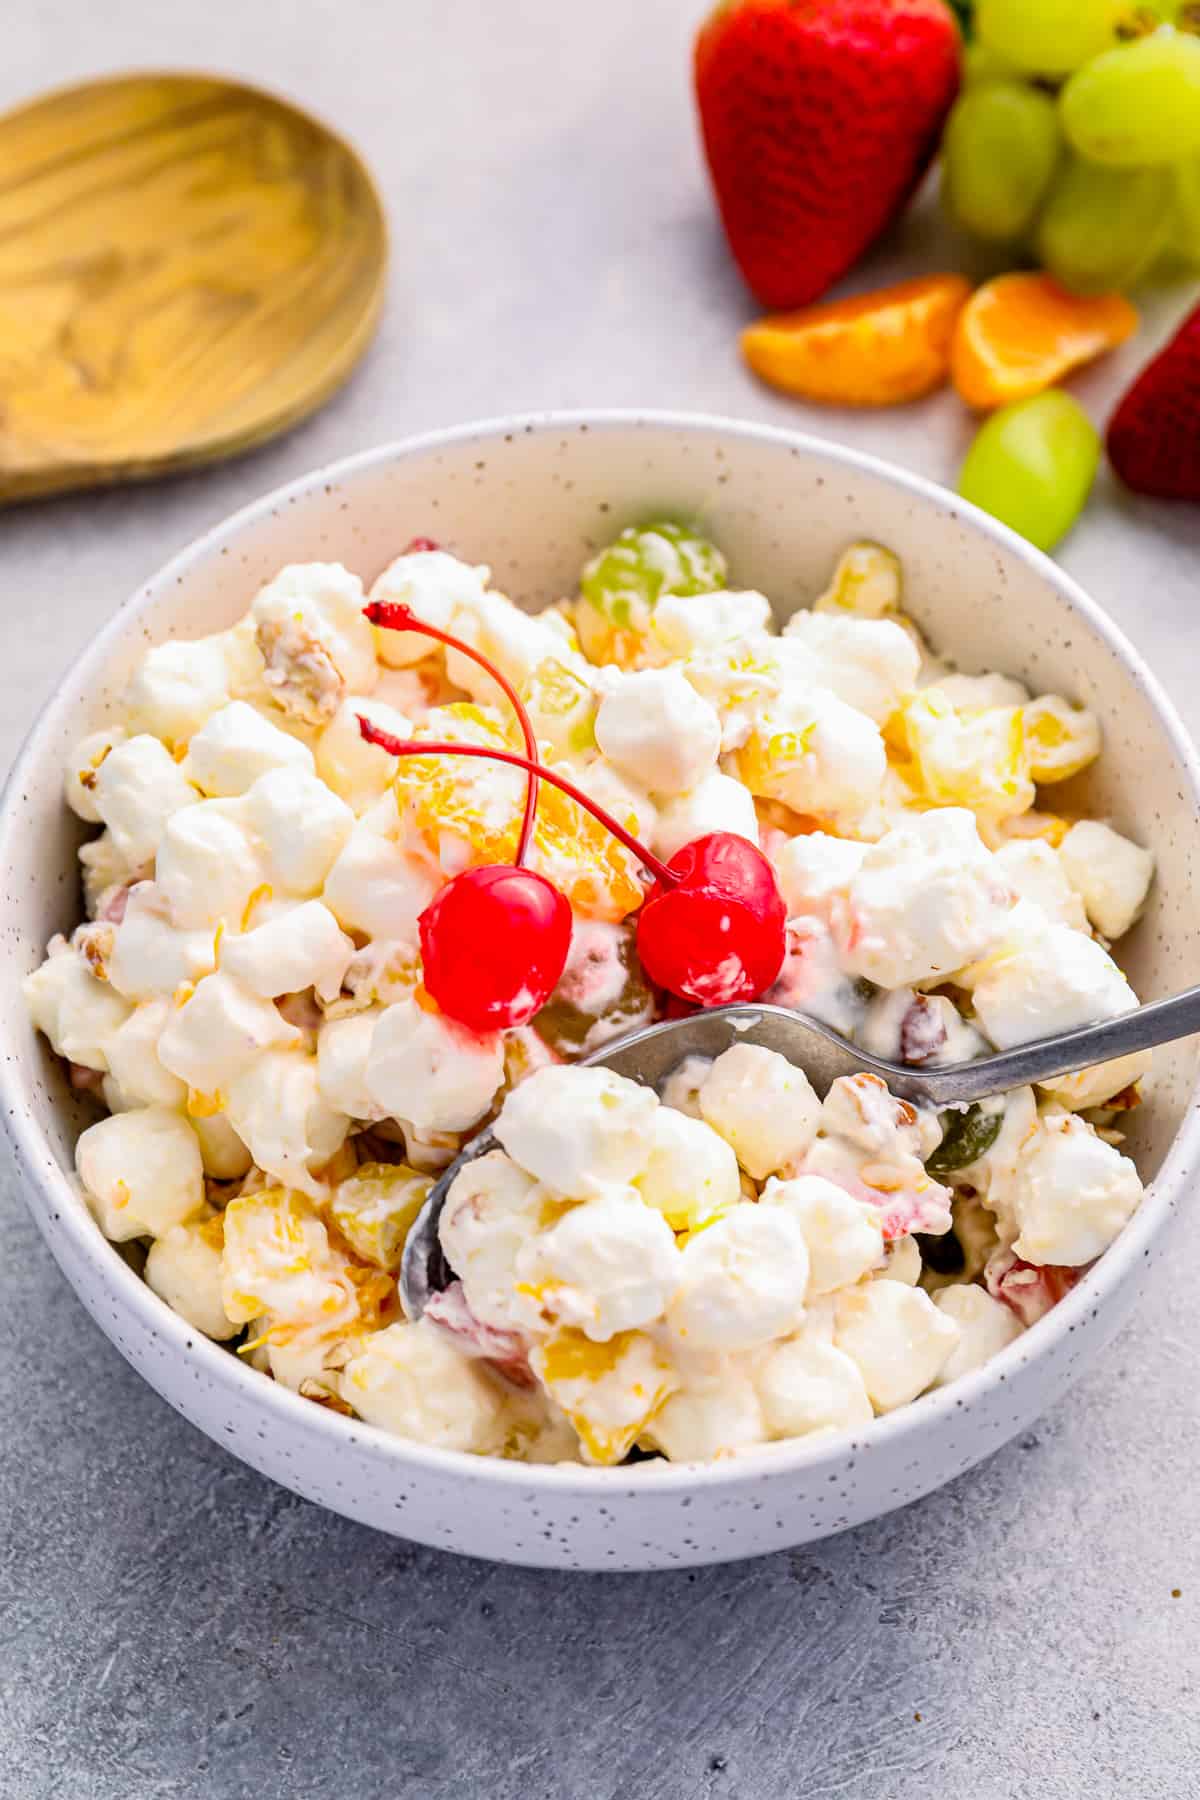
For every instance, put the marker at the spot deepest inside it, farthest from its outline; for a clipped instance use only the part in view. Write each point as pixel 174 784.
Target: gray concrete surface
pixel 170 1624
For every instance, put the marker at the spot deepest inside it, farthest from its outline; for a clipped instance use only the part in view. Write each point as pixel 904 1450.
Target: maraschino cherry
pixel 494 940
pixel 711 930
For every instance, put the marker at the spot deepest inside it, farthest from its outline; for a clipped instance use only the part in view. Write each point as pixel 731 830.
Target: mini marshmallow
pixel 440 590
pixel 606 1266
pixel 300 826
pixel 896 1337
pixel 79 776
pixel 692 1173
pixel 814 870
pixel 984 1325
pixel 1110 873
pixel 225 1156
pixel 76 1012
pixel 138 788
pixel 237 745
pixel 684 625
pixel 376 887
pixel 742 1281
pixel 218 1031
pixel 151 957
pixel 1045 979
pixel 491 1213
pixel 141 1171
pixel 410 1380
pixel 359 772
pixel 716 803
pixel 1035 871
pixel 132 1051
pixel 184 1269
pixel 1071 1193
pixel 207 868
pixel 343 1055
pixel 871 664
pixel 430 1072
pixel 710 1419
pixel 805 1386
pixel 927 899
pixel 277 1110
pixel 177 686
pixel 658 731
pixel 299 947
pixel 843 1235
pixel 579 1130
pixel 762 1106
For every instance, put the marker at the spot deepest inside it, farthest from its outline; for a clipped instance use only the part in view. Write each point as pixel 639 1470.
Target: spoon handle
pixel 1160 1022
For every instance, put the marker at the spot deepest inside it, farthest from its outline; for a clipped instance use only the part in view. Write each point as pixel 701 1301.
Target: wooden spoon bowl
pixel 187 267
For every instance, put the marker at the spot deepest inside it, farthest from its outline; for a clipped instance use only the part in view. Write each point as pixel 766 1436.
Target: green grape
pixel 621 586
pixel 1048 37
pixel 1032 466
pixel 998 157
pixel 1138 104
pixel 965 1138
pixel 1100 228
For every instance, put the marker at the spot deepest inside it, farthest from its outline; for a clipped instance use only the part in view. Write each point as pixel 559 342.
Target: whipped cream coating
pixel 696 1274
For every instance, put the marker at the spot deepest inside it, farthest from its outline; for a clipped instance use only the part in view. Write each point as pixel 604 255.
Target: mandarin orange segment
pixel 1021 333
pixel 467 812
pixel 877 349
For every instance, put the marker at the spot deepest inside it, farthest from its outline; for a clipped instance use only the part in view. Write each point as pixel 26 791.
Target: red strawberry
pixel 819 119
pixel 1154 435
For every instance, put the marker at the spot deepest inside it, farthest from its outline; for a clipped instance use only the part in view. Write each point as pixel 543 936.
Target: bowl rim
pixel 51 1195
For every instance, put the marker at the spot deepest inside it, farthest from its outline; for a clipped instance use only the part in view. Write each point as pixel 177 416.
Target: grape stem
pixel 416 747
pixel 394 615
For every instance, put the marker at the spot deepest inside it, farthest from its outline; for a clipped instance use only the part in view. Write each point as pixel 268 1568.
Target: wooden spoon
pixel 187 266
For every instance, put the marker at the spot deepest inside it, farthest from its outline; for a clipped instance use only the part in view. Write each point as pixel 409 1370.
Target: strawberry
pixel 819 119
pixel 1154 435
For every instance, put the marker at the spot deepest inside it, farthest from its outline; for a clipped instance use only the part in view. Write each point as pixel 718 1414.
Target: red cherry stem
pixel 414 747
pixel 393 615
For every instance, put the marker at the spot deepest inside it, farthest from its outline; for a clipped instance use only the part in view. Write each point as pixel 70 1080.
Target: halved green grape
pixel 998 156
pixel 1101 228
pixel 965 1138
pixel 1048 37
pixel 621 586
pixel 1032 466
pixel 1137 105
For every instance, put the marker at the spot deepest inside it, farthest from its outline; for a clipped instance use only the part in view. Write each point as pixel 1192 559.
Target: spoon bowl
pixel 650 1054
pixel 187 267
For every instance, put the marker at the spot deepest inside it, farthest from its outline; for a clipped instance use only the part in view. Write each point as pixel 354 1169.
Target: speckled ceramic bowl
pixel 534 497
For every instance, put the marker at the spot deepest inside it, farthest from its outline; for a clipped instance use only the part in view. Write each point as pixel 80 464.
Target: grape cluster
pixel 1076 139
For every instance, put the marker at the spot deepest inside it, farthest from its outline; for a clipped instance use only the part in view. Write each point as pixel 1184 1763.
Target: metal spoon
pixel 649 1055
pixel 187 266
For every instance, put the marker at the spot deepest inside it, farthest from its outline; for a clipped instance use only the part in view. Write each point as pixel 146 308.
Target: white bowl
pixel 533 498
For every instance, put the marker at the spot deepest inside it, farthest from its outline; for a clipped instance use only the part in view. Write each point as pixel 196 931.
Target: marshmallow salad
pixel 282 998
